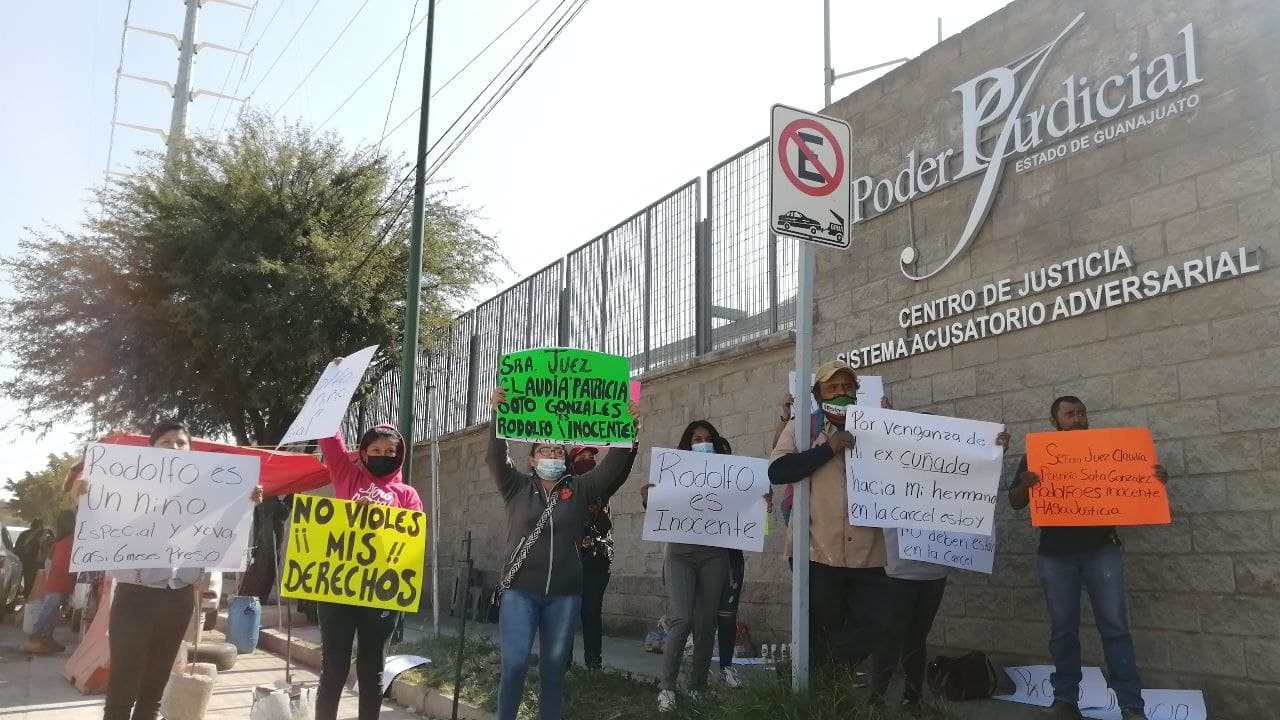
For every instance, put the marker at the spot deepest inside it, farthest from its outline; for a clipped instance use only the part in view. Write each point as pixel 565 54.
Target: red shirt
pixel 59 578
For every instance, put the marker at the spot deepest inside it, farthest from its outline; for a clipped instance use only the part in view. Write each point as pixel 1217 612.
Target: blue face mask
pixel 549 468
pixel 704 447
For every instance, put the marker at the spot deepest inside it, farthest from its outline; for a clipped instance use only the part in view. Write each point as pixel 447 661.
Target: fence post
pixel 771 244
pixel 473 368
pixel 604 292
pixel 647 308
pixel 702 271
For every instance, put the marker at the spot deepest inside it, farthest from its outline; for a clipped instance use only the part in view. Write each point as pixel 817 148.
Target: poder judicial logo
pixel 997 126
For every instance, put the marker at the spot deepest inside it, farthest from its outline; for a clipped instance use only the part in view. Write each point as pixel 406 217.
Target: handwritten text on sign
pixel 154 508
pixel 927 472
pixel 322 413
pixel 1160 705
pixel 1096 477
pixel 355 554
pixel 565 395
pixel 1032 686
pixel 966 551
pixel 706 499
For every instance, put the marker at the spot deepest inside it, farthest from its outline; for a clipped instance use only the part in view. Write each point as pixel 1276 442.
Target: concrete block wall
pixel 1201 367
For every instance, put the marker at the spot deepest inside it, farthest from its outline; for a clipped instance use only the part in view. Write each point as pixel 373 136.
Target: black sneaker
pixel 1133 714
pixel 1062 710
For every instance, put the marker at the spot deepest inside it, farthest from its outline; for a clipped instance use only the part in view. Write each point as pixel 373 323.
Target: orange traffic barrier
pixel 89 666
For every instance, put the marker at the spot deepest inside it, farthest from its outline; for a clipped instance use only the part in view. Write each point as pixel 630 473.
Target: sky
pixel 633 99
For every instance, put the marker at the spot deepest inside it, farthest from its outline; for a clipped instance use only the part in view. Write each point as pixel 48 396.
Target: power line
pixel 115 100
pixel 248 62
pixel 284 50
pixel 400 69
pixel 323 55
pixel 468 64
pixel 373 72
pixel 232 65
pixel 540 47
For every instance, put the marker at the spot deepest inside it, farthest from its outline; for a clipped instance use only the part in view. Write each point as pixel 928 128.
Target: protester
pixel 597 557
pixel 542 579
pixel 150 613
pixel 703 589
pixel 730 597
pixel 369 476
pixel 27 548
pixel 914 595
pixel 1092 558
pixel 847 583
pixel 58 585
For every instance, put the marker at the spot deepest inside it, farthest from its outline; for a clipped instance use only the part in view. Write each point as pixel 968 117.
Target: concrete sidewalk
pixel 32 688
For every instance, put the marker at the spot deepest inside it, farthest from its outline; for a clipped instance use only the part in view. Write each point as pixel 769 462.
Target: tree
pixel 212 289
pixel 39 494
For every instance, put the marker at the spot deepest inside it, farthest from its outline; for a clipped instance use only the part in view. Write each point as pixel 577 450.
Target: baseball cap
pixel 827 369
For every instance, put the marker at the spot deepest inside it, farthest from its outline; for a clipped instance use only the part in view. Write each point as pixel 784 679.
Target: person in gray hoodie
pixel 542 577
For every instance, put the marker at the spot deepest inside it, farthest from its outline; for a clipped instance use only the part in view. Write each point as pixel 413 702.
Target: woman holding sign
pixel 703 587
pixel 150 612
pixel 542 578
pixel 369 476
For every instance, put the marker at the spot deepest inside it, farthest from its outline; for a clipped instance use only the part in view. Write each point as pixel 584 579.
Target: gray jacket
pixel 553 566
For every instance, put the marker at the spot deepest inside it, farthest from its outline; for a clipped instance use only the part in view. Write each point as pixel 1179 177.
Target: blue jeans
pixel 1101 573
pixel 47 618
pixel 552 619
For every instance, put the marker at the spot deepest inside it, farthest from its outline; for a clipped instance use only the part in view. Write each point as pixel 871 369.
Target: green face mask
pixel 834 408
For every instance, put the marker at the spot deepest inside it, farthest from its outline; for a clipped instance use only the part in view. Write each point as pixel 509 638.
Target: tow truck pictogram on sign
pixel 808 179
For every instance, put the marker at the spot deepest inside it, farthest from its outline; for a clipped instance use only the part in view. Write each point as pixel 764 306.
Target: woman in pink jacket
pixel 369 475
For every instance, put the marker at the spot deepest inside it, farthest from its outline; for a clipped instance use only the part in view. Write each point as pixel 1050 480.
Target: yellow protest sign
pixel 355 554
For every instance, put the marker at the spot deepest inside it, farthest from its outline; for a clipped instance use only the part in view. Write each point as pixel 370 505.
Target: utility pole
pixel 409 348
pixel 182 88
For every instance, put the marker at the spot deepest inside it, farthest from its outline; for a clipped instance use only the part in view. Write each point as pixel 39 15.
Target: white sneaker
pixel 666 701
pixel 730 677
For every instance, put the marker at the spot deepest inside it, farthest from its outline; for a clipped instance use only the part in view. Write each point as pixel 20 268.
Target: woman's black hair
pixel 167 426
pixel 65 525
pixel 686 440
pixel 374 434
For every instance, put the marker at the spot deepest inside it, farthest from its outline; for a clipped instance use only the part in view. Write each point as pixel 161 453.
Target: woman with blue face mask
pixel 696 578
pixel 542 576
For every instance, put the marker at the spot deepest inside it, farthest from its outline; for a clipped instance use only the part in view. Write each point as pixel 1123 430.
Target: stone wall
pixel 1200 367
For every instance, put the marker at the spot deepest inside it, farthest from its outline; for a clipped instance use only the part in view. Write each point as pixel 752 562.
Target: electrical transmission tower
pixel 181 88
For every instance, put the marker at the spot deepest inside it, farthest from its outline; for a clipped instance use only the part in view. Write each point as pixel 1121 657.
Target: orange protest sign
pixel 1096 477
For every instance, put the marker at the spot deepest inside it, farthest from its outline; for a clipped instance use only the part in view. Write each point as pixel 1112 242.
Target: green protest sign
pixel 565 395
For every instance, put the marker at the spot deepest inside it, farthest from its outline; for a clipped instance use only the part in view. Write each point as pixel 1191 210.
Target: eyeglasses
pixel 550 451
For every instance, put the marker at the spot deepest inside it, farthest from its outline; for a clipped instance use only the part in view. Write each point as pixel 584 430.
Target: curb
pixel 419 697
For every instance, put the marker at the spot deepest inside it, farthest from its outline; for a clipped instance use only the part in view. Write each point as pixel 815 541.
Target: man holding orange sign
pixel 1080 486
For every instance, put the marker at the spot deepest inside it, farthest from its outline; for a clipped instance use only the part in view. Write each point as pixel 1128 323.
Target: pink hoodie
pixel 353 481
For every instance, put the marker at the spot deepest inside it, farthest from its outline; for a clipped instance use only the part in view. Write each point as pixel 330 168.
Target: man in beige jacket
pixel 847 584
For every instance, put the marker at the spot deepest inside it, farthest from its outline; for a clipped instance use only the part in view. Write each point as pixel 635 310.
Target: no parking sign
pixel 809 193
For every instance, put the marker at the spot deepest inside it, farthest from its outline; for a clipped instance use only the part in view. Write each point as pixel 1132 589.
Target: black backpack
pixel 968 677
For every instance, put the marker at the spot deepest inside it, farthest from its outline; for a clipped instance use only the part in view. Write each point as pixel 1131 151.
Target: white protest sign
pixel 953 549
pixel 928 472
pixel 156 508
pixel 707 499
pixel 1160 705
pixel 1033 686
pixel 321 415
pixel 870 388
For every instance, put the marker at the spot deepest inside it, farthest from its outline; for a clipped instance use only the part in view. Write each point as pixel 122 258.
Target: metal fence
pixel 667 284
